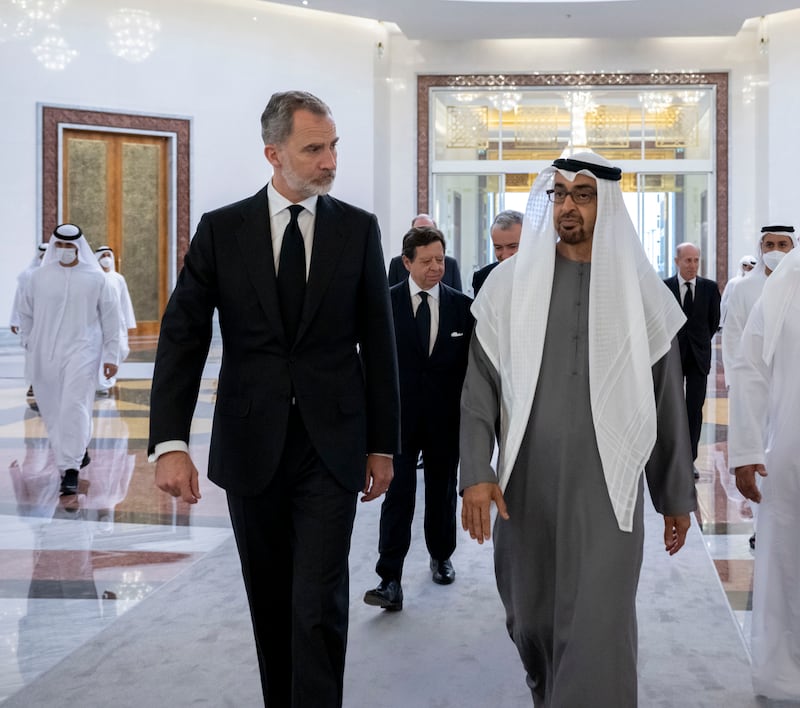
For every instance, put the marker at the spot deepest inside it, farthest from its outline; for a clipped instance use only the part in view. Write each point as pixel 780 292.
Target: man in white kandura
pixel 69 323
pixel 127 318
pixel 763 440
pixel 773 244
pixel 575 355
pixel 22 281
pixel 746 265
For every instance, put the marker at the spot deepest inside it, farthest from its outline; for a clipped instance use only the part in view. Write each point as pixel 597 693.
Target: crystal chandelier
pixel 52 51
pixel 39 10
pixel 133 34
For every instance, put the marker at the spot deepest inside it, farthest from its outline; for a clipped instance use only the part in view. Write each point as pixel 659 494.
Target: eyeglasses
pixel 580 195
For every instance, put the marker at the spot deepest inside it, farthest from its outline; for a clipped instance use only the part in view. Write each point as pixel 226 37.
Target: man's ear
pixel 407 263
pixel 271 153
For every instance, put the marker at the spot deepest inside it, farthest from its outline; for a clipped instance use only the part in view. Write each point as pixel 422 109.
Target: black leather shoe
pixel 752 541
pixel 388 596
pixel 69 484
pixel 86 459
pixel 443 571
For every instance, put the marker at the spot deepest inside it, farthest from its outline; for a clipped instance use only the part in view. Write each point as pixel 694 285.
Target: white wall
pixel 216 63
pixel 737 55
pixel 219 60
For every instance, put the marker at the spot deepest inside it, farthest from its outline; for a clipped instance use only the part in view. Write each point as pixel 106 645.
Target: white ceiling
pixel 621 19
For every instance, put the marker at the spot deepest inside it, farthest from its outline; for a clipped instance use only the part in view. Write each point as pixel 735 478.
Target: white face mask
pixel 67 256
pixel 772 259
pixel 107 262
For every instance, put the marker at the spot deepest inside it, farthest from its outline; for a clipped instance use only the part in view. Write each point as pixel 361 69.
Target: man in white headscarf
pixel 763 439
pixel 746 264
pixel 575 354
pixel 22 281
pixel 127 318
pixel 774 243
pixel 69 324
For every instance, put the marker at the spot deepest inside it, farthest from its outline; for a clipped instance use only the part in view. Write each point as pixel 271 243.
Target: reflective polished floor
pixel 71 567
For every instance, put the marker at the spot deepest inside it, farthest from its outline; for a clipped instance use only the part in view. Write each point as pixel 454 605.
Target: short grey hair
pixel 278 117
pixel 506 219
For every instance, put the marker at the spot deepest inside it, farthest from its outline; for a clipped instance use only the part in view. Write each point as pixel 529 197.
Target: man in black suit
pixel 505 232
pixel 699 297
pixel 433 326
pixel 307 411
pixel 399 274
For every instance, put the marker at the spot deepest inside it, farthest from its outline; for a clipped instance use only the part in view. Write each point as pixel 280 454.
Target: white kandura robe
pixel 739 304
pixel 22 282
pixel 764 412
pixel 127 320
pixel 70 324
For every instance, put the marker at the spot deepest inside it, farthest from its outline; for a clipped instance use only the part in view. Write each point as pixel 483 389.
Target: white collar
pixel 277 202
pixel 414 289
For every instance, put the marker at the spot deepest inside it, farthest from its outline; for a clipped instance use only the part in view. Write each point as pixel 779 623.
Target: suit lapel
pixel 445 319
pixel 255 242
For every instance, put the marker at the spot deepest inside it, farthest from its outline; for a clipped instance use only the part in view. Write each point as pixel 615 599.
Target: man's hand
pixel 476 506
pixel 746 481
pixel 379 475
pixel 15 329
pixel 110 370
pixel 675 528
pixel 177 475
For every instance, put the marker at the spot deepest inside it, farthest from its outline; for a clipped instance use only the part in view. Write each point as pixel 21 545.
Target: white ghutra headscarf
pixel 779 294
pixel 632 319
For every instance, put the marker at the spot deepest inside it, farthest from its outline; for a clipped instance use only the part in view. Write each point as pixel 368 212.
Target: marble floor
pixel 71 570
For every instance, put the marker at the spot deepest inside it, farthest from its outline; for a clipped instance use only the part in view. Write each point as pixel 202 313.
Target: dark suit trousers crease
pixel 397 510
pixel 293 542
pixel 696 382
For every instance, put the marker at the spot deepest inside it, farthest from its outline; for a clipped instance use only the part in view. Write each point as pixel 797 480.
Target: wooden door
pixel 114 186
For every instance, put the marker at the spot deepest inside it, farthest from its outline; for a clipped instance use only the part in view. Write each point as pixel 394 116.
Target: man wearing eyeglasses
pixel 583 369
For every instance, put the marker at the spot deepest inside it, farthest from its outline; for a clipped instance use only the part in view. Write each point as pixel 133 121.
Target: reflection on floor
pixel 70 566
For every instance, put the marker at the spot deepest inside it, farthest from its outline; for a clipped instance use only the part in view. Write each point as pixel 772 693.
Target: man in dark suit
pixel 399 274
pixel 505 233
pixel 699 297
pixel 307 410
pixel 433 326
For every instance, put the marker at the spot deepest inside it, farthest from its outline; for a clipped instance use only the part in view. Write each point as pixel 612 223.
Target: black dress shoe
pixel 69 484
pixel 86 459
pixel 752 541
pixel 388 596
pixel 443 572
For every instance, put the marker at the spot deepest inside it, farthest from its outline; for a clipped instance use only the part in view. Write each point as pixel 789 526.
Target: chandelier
pixel 133 34
pixel 52 51
pixel 39 10
pixel 655 101
pixel 505 101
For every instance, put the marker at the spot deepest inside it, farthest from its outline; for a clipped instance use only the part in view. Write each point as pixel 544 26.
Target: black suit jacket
pixel 342 368
pixel 479 276
pixel 694 338
pixel 451 277
pixel 430 386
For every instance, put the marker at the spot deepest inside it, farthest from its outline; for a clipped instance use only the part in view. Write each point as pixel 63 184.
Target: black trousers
pixel 294 541
pixel 397 510
pixel 696 382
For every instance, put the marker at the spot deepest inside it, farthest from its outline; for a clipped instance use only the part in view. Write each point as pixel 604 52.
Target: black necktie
pixel 292 275
pixel 688 301
pixel 423 320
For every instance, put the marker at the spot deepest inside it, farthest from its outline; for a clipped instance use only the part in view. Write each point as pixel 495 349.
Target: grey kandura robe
pixel 566 573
